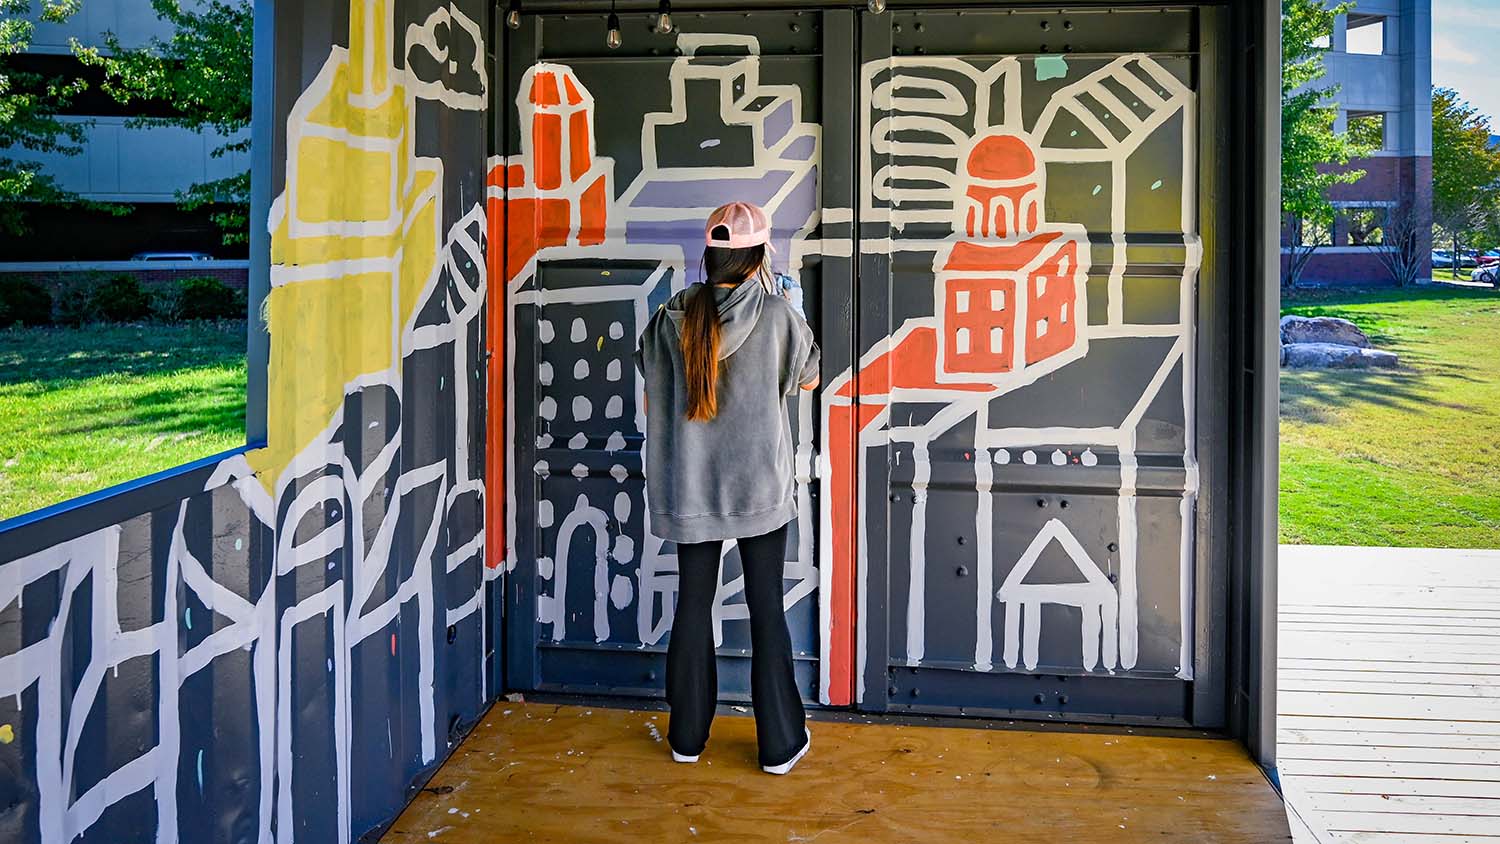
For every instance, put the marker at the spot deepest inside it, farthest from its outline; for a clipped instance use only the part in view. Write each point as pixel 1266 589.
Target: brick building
pixel 1380 58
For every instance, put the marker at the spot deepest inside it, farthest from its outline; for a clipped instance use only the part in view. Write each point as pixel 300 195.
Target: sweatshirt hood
pixel 739 309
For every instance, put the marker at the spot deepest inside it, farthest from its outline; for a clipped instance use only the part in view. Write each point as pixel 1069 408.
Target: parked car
pixel 1468 258
pixel 1489 258
pixel 171 256
pixel 1441 259
pixel 1488 274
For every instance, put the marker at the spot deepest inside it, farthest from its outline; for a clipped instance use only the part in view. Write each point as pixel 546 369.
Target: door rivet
pixel 915 691
pixel 452 633
pixel 1046 25
pixel 1064 504
pixel 1040 699
pixel 1112 547
pixel 961 540
pixel 1041 502
pixel 963 571
pixel 1062 699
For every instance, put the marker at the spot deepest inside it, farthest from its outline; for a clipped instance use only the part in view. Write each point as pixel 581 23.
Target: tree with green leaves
pixel 30 106
pixel 1314 157
pixel 203 72
pixel 1465 170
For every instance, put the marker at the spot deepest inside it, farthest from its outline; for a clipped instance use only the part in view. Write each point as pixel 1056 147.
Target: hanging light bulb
pixel 876 6
pixel 613 40
pixel 513 14
pixel 664 18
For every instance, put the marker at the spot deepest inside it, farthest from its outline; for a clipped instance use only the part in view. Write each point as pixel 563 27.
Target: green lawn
pixel 83 409
pixel 1405 457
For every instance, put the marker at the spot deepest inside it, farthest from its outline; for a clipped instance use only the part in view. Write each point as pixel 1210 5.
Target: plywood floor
pixel 1389 694
pixel 553 773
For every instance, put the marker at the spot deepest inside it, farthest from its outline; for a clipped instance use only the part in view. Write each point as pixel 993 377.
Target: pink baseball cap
pixel 747 225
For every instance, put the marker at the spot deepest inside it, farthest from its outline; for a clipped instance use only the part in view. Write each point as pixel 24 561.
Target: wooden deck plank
pixel 1404 838
pixel 1340 784
pixel 1345 648
pixel 569 774
pixel 1385 753
pixel 1385 686
pixel 1456 771
pixel 1332 664
pixel 1384 725
pixel 1356 674
pixel 1339 820
pixel 1484 710
pixel 1291 739
pixel 1414 804
pixel 1433 615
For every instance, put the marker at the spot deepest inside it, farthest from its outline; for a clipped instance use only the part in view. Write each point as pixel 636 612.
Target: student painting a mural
pixel 960 412
pixel 720 359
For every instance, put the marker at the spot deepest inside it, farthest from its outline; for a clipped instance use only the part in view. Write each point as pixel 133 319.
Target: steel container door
pixel 613 160
pixel 1023 421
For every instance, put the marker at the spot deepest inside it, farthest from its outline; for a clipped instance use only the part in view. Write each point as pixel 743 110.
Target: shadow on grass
pixel 165 411
pixel 1317 395
pixel 56 357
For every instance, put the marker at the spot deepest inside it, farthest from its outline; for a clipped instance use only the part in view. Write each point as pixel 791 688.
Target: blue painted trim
pixel 24 535
pixel 263 130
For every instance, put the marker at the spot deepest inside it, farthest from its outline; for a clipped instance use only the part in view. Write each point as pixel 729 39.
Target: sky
pixel 1466 52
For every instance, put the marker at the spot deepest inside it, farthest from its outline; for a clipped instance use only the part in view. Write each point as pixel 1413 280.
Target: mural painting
pixel 976 166
pixel 276 657
pixel 1052 354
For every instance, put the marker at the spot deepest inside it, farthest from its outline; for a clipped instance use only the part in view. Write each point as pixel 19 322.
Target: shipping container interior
pixel 1038 481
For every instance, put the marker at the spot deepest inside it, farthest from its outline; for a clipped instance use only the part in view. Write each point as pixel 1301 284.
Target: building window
pixel 1364 226
pixel 1367 129
pixel 1307 232
pixel 1366 35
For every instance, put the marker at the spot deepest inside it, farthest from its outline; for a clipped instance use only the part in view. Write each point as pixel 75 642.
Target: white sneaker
pixel 786 767
pixel 678 757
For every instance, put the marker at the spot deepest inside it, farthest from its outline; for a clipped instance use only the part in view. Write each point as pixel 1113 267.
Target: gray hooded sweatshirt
pixel 731 476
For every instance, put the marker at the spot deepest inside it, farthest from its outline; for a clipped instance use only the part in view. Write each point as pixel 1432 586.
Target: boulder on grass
pixel 1334 356
pixel 1340 332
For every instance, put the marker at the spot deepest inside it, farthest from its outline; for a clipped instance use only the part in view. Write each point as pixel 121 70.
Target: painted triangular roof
pixel 1053 531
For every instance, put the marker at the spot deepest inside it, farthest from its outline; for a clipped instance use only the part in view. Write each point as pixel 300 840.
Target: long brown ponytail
pixel 701 329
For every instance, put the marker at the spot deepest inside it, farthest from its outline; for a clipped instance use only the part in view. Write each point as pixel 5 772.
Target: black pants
pixel 692 678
